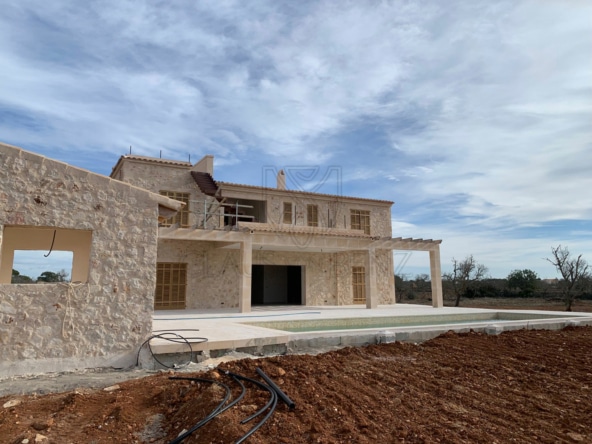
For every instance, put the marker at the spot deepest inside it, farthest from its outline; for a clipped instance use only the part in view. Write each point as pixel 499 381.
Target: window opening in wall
pixel 182 216
pixel 359 285
pixel 33 267
pixel 244 210
pixel 312 215
pixel 171 285
pixel 288 214
pixel 52 248
pixel 360 220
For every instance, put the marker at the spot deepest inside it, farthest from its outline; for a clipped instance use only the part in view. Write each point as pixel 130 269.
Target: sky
pixel 475 117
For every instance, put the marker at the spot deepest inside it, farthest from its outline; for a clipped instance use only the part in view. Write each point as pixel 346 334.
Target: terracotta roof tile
pixel 307 193
pixel 158 160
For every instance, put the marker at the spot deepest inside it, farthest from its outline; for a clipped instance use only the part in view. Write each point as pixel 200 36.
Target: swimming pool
pixel 311 325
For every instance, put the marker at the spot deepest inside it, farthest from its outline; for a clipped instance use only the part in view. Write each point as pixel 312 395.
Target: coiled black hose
pixel 177 338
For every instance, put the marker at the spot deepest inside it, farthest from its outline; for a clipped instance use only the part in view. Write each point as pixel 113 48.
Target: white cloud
pixel 474 116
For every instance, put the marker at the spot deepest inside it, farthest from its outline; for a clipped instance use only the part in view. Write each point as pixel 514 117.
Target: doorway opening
pixel 276 285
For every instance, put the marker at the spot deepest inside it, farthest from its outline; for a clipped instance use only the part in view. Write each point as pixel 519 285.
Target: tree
pixel 400 287
pixel 574 271
pixel 18 278
pixel 464 274
pixel 50 276
pixel 524 280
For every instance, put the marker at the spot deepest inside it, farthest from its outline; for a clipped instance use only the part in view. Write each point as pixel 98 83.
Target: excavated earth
pixel 527 386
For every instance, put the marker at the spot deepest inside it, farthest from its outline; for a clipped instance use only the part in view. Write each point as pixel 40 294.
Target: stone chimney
pixel 281 180
pixel 205 165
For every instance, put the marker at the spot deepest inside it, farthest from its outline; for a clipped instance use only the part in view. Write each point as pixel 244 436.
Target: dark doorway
pixel 276 285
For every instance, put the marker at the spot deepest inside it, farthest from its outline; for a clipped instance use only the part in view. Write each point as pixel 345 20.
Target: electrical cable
pixel 51 248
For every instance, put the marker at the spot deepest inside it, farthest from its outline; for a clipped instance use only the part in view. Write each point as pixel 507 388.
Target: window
pixel 312 215
pixel 359 285
pixel 288 214
pixel 171 283
pixel 182 216
pixel 360 220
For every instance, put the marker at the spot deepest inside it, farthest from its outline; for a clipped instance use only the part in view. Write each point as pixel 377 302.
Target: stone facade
pixel 103 318
pixel 214 272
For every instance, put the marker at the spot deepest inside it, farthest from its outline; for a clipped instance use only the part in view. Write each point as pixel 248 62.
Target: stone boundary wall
pixel 102 322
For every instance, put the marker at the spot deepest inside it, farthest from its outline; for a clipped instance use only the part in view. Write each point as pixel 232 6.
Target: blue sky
pixel 474 117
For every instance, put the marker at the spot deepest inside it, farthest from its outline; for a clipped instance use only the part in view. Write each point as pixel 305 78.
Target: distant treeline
pixel 45 277
pixel 420 287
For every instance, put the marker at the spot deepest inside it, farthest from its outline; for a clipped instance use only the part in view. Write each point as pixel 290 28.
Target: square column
pixel 436 277
pixel 371 287
pixel 246 266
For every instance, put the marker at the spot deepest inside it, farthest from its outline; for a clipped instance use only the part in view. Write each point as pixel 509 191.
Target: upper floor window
pixel 360 220
pixel 288 213
pixel 312 215
pixel 182 216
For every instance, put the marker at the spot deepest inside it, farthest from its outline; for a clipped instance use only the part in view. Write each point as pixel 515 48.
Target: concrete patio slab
pixel 227 330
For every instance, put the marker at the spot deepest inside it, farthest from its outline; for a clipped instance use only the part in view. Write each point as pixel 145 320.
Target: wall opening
pixel 23 240
pixel 35 266
pixel 276 285
pixel 244 210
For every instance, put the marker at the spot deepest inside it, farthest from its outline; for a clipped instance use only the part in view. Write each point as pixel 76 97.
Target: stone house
pixel 234 246
pixel 111 227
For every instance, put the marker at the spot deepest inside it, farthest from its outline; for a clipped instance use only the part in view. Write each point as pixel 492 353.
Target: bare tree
pixel 464 273
pixel 574 271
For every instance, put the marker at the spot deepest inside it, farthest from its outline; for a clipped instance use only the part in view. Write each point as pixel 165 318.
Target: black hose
pixel 234 401
pixel 271 404
pixel 219 408
pixel 278 390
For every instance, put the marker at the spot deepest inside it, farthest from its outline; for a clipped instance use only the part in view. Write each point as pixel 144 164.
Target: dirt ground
pixel 523 386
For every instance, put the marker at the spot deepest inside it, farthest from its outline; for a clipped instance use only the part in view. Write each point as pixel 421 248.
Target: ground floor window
pixel 359 285
pixel 171 285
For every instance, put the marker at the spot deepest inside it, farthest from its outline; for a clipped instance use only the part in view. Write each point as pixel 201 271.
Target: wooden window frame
pixel 171 286
pixel 182 216
pixel 360 220
pixel 359 285
pixel 312 215
pixel 288 213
